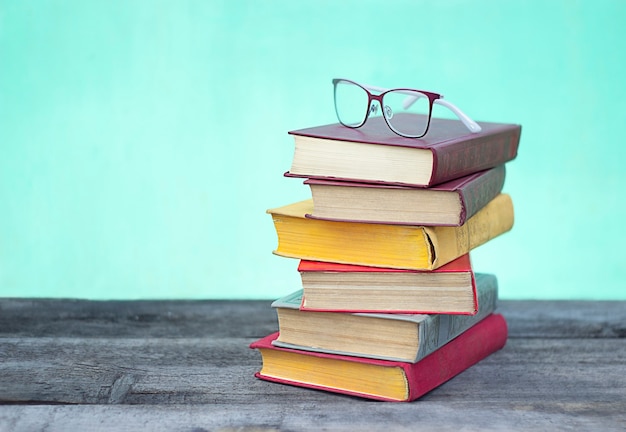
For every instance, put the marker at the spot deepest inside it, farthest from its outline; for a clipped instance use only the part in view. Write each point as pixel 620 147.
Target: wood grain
pixel 186 365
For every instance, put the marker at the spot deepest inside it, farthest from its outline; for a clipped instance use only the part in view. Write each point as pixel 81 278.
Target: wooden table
pixel 185 366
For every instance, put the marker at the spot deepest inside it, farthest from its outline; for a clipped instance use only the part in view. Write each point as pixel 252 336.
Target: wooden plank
pixel 305 416
pixel 186 365
pixel 54 317
pixel 174 371
pixel 564 318
pixel 147 319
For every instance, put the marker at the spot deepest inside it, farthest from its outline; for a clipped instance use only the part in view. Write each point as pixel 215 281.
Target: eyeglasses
pixel 406 111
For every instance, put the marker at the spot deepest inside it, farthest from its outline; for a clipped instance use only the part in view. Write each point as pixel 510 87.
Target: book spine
pixel 440 329
pixel 475 344
pixel 476 194
pixel 491 221
pixel 460 158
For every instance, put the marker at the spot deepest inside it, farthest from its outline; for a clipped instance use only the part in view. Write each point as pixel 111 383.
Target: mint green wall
pixel 142 140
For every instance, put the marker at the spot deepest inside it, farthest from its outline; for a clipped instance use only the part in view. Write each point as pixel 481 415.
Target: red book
pixel 334 287
pixel 381 379
pixel 373 153
pixel 447 204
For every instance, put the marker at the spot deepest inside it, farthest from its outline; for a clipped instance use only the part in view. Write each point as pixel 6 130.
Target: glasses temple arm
pixel 468 122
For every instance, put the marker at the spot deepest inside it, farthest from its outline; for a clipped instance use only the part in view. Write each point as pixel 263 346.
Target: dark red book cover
pixel 472 346
pixel 474 190
pixel 457 152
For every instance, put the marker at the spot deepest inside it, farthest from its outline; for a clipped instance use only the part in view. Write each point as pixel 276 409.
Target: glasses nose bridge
pixel 373 97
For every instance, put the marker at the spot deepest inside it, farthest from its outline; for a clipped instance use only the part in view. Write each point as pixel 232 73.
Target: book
pixel 373 153
pixel 333 287
pixel 385 245
pixel 378 379
pixel 401 337
pixel 449 204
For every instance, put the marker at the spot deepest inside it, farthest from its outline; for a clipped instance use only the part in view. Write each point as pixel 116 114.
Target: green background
pixel 142 141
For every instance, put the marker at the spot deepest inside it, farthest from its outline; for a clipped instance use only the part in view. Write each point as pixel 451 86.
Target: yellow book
pixel 379 379
pixel 385 245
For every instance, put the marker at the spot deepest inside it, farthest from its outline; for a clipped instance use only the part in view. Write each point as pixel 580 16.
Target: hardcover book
pixel 333 287
pixel 385 245
pixel 377 379
pixel 401 337
pixel 373 153
pixel 449 204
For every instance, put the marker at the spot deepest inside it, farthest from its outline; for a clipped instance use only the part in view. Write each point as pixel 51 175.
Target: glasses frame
pixel 433 98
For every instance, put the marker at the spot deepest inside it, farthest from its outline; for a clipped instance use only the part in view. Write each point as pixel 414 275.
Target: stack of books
pixel 390 306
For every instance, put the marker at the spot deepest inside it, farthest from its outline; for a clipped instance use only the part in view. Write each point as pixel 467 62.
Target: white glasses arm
pixel 410 100
pixel 468 122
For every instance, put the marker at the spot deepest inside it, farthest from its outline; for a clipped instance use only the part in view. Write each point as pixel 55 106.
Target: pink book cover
pixel 472 346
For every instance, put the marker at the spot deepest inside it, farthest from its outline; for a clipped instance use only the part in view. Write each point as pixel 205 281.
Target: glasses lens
pixel 351 103
pixel 407 112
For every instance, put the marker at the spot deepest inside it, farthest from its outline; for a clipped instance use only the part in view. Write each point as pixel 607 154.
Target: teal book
pixel 398 337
